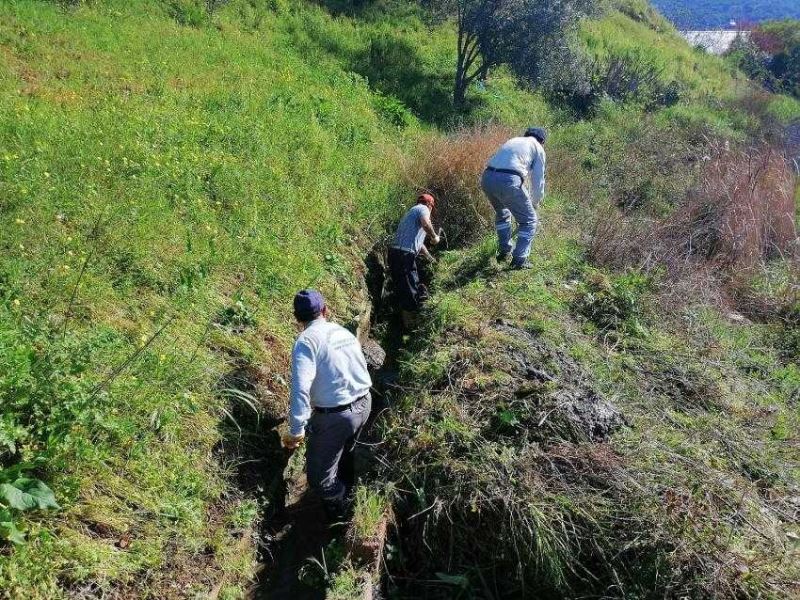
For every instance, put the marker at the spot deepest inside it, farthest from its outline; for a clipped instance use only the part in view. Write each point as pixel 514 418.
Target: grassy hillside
pixel 169 177
pixel 165 189
pixel 596 444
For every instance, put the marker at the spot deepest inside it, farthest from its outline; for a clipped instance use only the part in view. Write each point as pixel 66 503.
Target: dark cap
pixel 308 305
pixel 538 133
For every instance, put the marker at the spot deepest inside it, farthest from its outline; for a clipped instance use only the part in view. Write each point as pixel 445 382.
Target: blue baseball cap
pixel 308 305
pixel 538 133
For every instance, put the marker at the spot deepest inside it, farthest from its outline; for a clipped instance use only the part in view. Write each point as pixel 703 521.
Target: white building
pixel 713 41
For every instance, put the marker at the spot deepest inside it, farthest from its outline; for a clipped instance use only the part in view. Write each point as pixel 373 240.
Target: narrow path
pixel 298 534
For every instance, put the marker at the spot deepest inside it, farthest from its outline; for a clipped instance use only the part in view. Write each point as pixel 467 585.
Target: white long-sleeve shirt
pixel 525 155
pixel 328 370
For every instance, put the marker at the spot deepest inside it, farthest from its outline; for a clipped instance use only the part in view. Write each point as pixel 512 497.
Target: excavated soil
pixel 554 392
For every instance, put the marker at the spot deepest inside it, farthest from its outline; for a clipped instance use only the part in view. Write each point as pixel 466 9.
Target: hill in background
pixel 714 14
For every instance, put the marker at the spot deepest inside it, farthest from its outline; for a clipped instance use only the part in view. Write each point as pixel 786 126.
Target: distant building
pixel 714 41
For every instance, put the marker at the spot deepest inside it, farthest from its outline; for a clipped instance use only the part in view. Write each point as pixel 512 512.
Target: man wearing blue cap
pixel 329 398
pixel 516 166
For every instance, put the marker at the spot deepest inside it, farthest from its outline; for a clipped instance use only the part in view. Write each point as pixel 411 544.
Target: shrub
pixel 393 110
pixel 742 212
pixel 633 75
pixel 450 168
pixel 739 216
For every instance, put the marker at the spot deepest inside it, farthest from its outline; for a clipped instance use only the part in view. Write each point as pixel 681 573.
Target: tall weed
pixel 450 167
pixel 739 216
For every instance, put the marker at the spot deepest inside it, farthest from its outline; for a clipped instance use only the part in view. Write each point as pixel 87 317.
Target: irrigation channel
pixel 297 547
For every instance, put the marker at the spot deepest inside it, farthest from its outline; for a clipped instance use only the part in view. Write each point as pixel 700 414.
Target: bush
pixel 450 168
pixel 634 75
pixel 737 217
pixel 393 110
pixel 192 13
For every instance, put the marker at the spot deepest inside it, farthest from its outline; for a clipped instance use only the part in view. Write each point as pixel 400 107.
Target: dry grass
pixel 738 217
pixel 450 168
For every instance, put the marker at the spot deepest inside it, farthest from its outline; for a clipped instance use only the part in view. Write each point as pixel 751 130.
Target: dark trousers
pixel 329 454
pixel 403 268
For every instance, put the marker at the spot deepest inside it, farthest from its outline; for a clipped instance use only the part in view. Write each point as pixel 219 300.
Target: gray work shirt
pixel 328 370
pixel 410 234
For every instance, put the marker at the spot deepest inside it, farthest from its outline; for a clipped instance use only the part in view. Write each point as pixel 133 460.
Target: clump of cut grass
pixel 370 509
pixel 349 583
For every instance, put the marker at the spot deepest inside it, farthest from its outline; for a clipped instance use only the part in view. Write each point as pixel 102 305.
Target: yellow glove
pixel 292 442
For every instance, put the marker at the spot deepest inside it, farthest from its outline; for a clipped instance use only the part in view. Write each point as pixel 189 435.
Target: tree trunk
pixel 459 84
pixel 459 91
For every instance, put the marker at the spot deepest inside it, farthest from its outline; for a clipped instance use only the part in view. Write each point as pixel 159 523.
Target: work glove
pixel 292 442
pixel 436 239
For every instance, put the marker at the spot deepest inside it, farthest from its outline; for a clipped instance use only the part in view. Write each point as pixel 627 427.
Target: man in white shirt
pixel 519 163
pixel 330 400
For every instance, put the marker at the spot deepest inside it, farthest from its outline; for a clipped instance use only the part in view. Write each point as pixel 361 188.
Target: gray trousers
pixel 329 450
pixel 509 196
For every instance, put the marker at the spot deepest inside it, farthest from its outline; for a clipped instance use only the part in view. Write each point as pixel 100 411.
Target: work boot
pixel 502 256
pixel 520 265
pixel 337 510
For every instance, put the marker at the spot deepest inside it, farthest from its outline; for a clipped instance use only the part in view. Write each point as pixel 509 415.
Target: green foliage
pixel 613 303
pixel 238 316
pixel 663 59
pixel 18 495
pixel 771 56
pixel 157 213
pixel 369 509
pixel 143 202
pixel 193 13
pixel 644 12
pixel 392 110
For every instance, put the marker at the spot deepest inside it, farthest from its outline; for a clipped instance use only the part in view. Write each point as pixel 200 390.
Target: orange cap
pixel 426 199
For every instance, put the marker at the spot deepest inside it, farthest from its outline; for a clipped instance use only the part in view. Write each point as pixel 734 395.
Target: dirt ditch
pixel 297 548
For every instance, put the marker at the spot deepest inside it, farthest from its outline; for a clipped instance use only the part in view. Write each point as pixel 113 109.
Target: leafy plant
pixel 20 494
pixel 612 303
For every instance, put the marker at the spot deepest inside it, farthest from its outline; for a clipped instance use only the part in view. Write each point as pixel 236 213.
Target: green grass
pixel 700 75
pixel 157 183
pixel 170 177
pixel 370 508
pixel 697 479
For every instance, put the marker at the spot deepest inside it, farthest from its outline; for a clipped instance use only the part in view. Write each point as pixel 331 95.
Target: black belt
pixel 507 172
pixel 337 409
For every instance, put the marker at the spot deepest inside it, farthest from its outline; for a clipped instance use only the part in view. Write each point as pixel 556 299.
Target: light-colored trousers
pixel 509 196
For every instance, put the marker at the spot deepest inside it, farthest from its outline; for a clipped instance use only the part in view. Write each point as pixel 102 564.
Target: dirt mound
pixel 552 394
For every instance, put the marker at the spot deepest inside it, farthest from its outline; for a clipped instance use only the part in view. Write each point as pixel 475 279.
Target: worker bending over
pixel 409 242
pixel 519 163
pixel 330 400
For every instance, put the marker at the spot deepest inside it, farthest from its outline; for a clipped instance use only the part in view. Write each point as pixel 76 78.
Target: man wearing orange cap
pixel 409 242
